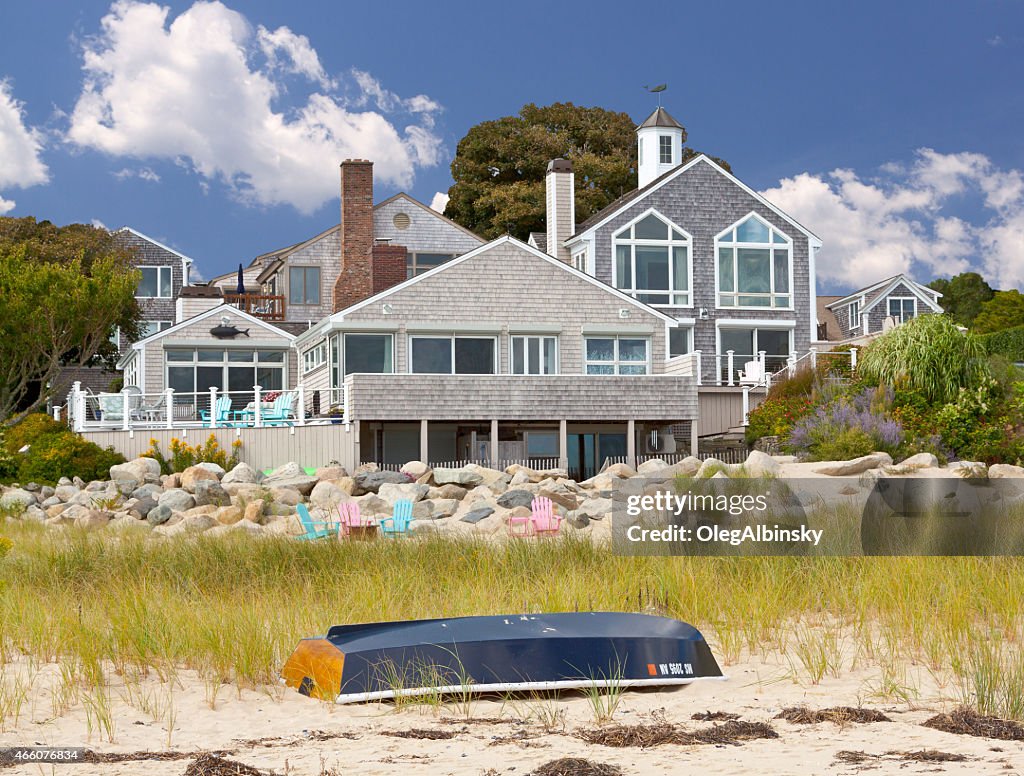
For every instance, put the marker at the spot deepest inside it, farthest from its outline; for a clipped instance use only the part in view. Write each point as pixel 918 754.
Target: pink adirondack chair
pixel 349 516
pixel 521 527
pixel 546 521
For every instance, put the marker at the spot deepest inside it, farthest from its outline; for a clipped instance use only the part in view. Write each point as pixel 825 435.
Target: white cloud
pixel 902 220
pixel 190 89
pixel 98 224
pixel 142 173
pixel 20 148
pixel 439 202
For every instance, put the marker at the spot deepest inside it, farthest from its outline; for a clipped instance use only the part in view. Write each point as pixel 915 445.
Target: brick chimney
pixel 355 281
pixel 388 265
pixel 561 207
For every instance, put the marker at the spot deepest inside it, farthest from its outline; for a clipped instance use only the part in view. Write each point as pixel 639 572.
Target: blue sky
pixel 893 130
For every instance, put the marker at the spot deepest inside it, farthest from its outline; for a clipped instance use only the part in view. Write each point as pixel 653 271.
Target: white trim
pixel 158 244
pixel 911 285
pixel 754 325
pixel 770 246
pixel 452 336
pixel 332 321
pixel 891 299
pixel 923 292
pixel 670 244
pixel 850 316
pixel 218 310
pixel 343 351
pixel 815 240
pixel 616 362
pixel 764 323
pixel 158 267
pixel 526 355
pixel 812 288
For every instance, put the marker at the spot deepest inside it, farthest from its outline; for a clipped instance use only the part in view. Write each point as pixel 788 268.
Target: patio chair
pixel 153 411
pixel 110 407
pixel 398 523
pixel 283 411
pixel 752 373
pixel 315 529
pixel 350 517
pixel 520 527
pixel 222 408
pixel 545 520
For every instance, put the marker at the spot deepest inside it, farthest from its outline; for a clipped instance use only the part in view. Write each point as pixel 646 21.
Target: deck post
pixel 563 444
pixel 694 440
pixel 170 407
pixel 761 357
pixel 345 408
pixel 125 411
pixel 790 365
pixel 696 355
pixel 302 403
pixel 746 404
pixel 494 443
pixel 213 406
pixel 728 366
pixel 77 410
pixel 424 440
pixel 256 408
pixel 631 444
pixel 814 358
pixel 853 358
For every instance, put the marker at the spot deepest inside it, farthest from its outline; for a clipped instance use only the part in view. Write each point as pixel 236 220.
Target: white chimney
pixel 560 184
pixel 659 146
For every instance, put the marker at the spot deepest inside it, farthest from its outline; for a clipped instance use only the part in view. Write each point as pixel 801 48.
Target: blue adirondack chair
pixel 315 529
pixel 222 408
pixel 398 523
pixel 283 411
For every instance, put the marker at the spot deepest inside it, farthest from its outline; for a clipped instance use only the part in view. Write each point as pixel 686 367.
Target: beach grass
pixel 233 608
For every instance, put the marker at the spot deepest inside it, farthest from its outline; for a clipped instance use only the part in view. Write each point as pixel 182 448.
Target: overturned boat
pixel 503 653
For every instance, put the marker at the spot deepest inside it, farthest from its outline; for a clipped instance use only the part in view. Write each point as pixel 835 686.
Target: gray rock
pixel 370 482
pixel 211 492
pixel 595 508
pixel 760 464
pixel 216 468
pixel 94 518
pixel 393 493
pixel 577 519
pixel 159 514
pixel 17 499
pixel 125 487
pixel 78 482
pixel 291 475
pixel 287 496
pixel 32 487
pixel 51 501
pixel 35 514
pixel 476 515
pixel 243 472
pixel 66 492
pixel 63 481
pixel 1004 471
pixel 517 497
pixel 465 477
pixel 328 494
pixel 144 505
pixel 178 499
pixel 919 461
pixel 651 466
pixel 857 465
pixel 456 492
pixel 47 491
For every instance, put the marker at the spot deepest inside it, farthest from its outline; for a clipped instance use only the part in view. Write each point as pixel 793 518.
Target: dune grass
pixel 233 608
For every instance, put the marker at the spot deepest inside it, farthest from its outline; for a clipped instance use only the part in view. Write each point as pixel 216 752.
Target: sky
pixel 892 130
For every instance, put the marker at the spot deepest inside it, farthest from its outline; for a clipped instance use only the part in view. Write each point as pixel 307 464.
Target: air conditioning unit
pixel 659 440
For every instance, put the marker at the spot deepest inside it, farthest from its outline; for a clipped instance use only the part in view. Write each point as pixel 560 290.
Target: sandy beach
pixel 277 730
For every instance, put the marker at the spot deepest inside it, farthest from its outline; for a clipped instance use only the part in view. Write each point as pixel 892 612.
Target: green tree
pixel 1003 311
pixel 963 295
pixel 55 310
pixel 499 166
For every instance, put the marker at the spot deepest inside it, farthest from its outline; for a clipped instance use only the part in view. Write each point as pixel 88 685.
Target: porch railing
pixel 269 307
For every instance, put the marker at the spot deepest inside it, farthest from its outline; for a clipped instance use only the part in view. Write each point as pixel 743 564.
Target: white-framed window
pixel 315 357
pixel 369 353
pixel 746 343
pixel 418 263
pixel 131 372
pixel 754 265
pixel 534 355
pixel 579 261
pixel 191 370
pixel 149 328
pixel 304 285
pixel 653 262
pixel 854 309
pixel 453 355
pixel 617 356
pixel 903 308
pixel 155 283
pixel 680 341
pixel 665 149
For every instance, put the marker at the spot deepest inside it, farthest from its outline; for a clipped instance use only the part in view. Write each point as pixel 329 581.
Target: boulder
pixel 149 490
pixel 32 487
pixel 93 518
pixel 856 466
pixel 206 509
pixel 144 506
pixel 211 492
pixel 760 464
pixel 188 524
pixel 371 504
pixel 34 513
pixel 331 472
pixel 328 494
pixel 416 469
pixel 560 496
pixel 52 501
pixel 450 490
pixel 177 499
pixel 243 526
pixel 393 493
pixel 436 509
pixel 66 492
pixel 242 472
pixel 596 508
pixel 17 499
pixel 463 476
pixel 228 515
pixel 125 487
pixel 287 496
pixel 521 477
pixel 370 481
pixel 1004 471
pixel 46 492
pixel 159 515
pixel 171 481
pixel 474 516
pixel 490 476
pixel 518 497
pixel 126 523
pixel 709 466
pixel 302 483
pixel 919 461
pixel 651 466
pixel 135 470
pixel 621 470
pixel 254 512
pixel 246 490
pixel 577 519
pixel 194 474
pixel 215 468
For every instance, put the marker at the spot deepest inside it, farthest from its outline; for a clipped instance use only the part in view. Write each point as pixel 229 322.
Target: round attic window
pixel 401 220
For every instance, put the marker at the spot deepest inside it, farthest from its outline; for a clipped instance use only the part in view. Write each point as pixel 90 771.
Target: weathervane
pixel 657 90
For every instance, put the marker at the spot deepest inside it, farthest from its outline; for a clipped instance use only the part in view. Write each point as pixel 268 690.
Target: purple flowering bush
pixel 847 427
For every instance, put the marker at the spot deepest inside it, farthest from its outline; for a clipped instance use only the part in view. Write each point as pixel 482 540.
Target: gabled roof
pixel 870 296
pixel 325 324
pixel 538 240
pixel 434 213
pixel 157 243
pixel 828 317
pixel 609 211
pixel 660 118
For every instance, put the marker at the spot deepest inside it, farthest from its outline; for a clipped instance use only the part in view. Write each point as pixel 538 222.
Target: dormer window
pixel 665 149
pixel 754 265
pixel 652 262
pixel 854 314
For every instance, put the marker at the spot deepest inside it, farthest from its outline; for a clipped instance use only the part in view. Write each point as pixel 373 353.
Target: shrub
pixel 984 424
pixel 928 354
pixel 846 427
pixel 776 416
pixel 32 427
pixel 184 455
pixel 1008 343
pixel 66 454
pixel 8 463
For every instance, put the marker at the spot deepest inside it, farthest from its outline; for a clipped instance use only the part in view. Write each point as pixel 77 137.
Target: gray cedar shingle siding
pixel 428 231
pixel 878 313
pixel 704 202
pixel 148 254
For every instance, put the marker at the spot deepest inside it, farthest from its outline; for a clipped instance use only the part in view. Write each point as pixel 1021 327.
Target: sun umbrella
pixel 241 281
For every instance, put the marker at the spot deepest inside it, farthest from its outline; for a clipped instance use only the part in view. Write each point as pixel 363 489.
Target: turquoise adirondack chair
pixel 398 523
pixel 315 529
pixel 283 411
pixel 222 408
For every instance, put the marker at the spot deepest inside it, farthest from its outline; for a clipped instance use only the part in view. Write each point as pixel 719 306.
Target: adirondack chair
pixel 283 411
pixel 350 517
pixel 521 527
pixel 546 521
pixel 222 410
pixel 315 529
pixel 398 523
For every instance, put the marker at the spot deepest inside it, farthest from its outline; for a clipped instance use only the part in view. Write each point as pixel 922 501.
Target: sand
pixel 278 730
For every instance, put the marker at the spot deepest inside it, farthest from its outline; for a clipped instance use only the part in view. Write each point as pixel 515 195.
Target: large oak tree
pixel 499 166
